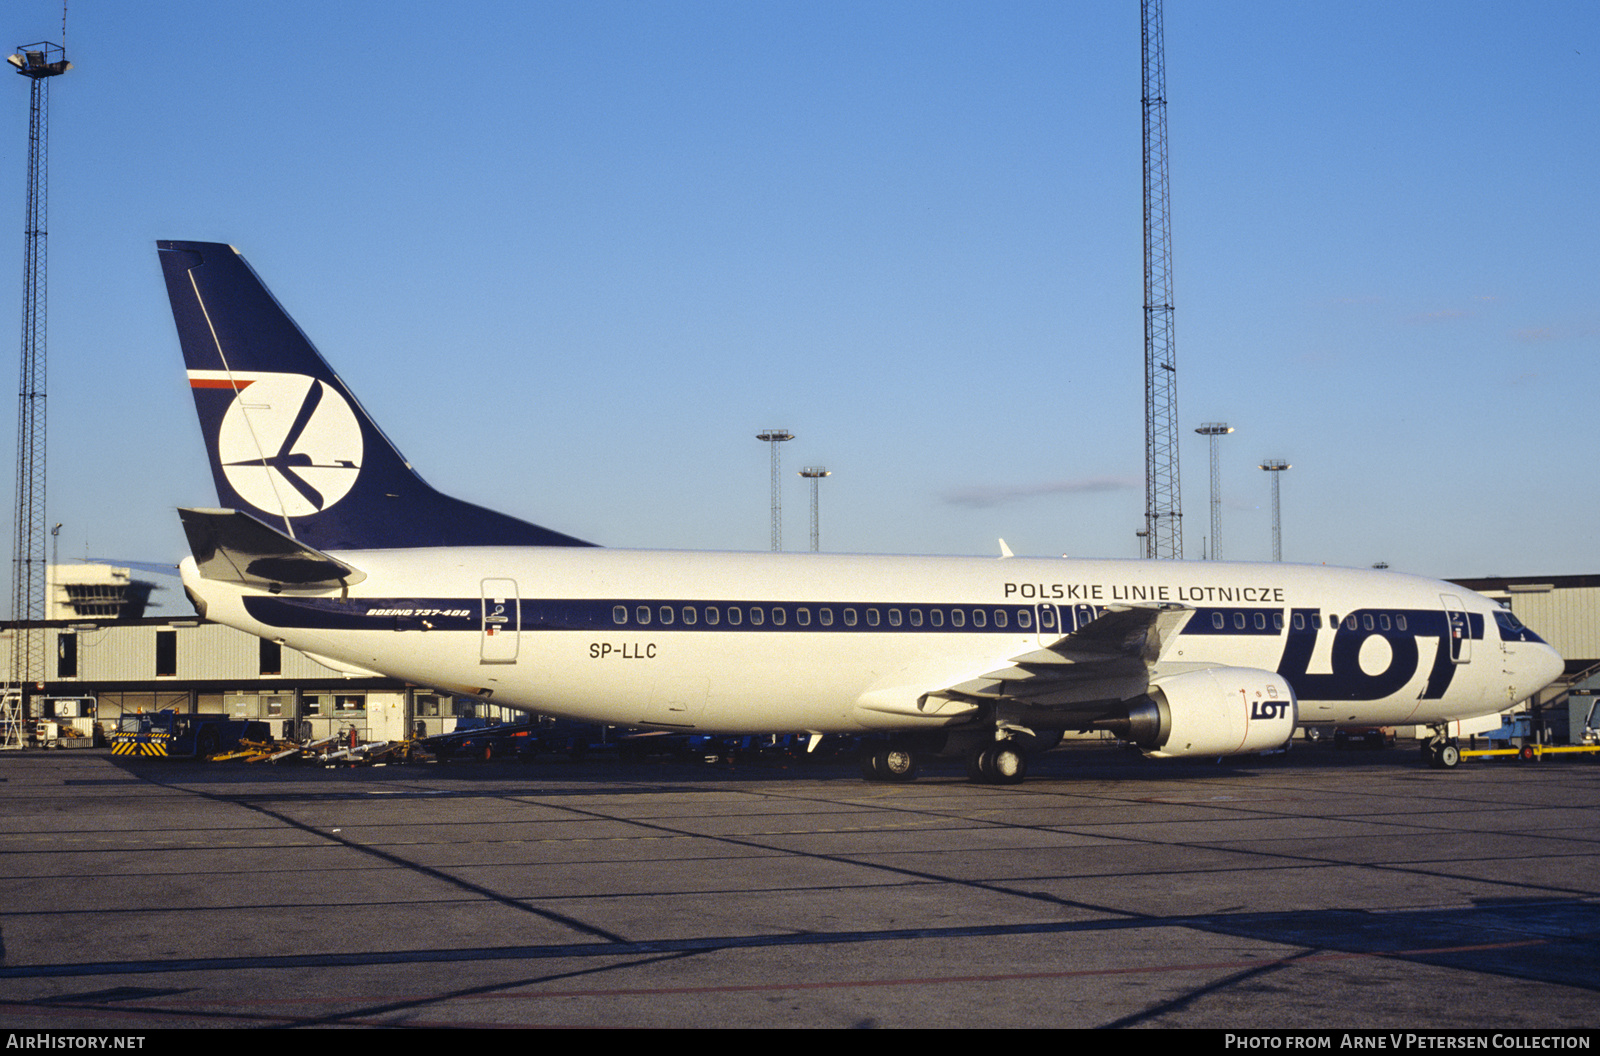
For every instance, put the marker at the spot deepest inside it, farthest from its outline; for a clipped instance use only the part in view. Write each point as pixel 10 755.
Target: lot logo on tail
pixel 289 444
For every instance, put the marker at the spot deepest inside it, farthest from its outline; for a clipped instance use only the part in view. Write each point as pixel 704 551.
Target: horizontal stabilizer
pixel 236 548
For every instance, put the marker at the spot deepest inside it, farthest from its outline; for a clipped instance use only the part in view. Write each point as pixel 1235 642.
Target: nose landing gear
pixel 1441 751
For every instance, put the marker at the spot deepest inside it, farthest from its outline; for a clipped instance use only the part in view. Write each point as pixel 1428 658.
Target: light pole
pixel 1214 430
pixel 815 474
pixel 39 63
pixel 1276 467
pixel 774 437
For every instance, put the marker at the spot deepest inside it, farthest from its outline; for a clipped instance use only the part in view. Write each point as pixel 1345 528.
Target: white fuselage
pixel 851 644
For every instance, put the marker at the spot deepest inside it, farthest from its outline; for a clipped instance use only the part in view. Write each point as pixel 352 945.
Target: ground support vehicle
pixel 479 739
pixel 1348 737
pixel 168 733
pixel 1530 753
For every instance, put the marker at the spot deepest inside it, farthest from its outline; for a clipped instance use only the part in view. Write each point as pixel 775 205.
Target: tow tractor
pixel 166 733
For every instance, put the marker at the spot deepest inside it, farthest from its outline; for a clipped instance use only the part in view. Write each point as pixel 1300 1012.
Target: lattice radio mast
pixel 1163 508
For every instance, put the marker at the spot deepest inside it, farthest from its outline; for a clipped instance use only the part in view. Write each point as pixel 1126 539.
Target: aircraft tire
pixel 998 764
pixel 1447 756
pixel 1008 765
pixel 895 764
pixel 869 766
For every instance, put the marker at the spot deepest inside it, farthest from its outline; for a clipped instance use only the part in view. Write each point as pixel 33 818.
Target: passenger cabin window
pixel 690 616
pixel 957 618
pixel 619 614
pixel 643 614
pixel 713 616
pixel 825 617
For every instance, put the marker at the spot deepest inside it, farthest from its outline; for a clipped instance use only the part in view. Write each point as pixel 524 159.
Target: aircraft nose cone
pixel 1542 667
pixel 1554 667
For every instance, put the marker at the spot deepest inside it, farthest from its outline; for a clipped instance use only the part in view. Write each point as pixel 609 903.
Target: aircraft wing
pixel 1107 660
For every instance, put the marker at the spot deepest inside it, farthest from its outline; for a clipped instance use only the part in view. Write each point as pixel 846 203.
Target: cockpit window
pixel 1513 629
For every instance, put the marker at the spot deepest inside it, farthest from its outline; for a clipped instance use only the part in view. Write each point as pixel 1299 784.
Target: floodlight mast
pixel 815 475
pixel 774 437
pixel 1276 467
pixel 1214 430
pixel 39 63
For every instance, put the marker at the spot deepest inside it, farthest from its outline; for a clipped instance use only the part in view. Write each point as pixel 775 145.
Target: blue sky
pixel 574 256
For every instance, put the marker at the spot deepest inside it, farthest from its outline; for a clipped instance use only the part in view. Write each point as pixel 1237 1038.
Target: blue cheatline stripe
pixel 678 614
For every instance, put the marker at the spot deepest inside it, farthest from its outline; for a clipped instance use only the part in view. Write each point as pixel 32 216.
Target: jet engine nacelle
pixel 1215 711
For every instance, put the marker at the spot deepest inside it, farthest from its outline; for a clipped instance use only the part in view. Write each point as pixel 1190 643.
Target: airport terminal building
pixel 103 658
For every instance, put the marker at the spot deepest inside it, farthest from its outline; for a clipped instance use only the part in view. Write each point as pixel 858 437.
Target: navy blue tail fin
pixel 288 442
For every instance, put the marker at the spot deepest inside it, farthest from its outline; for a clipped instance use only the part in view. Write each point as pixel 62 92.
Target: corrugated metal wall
pixel 127 653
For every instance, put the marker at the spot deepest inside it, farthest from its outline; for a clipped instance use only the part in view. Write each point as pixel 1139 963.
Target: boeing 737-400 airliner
pixel 330 543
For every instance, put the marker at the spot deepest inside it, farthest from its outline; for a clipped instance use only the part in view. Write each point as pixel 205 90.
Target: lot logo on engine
pixel 1269 709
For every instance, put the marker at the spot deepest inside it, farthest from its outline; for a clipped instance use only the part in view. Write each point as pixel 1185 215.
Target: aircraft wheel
pixel 1446 756
pixel 894 764
pixel 999 764
pixel 1008 765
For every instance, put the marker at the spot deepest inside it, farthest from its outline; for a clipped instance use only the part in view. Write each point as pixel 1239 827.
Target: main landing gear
pixel 991 762
pixel 1000 763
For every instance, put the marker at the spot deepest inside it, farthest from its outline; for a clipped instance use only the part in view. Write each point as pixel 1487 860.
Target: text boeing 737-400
pixel 330 543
